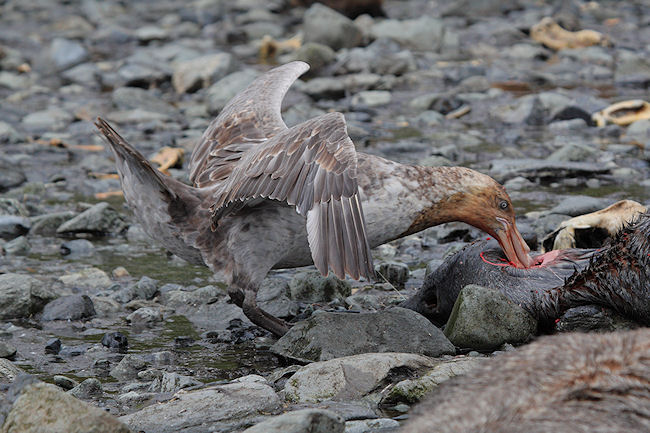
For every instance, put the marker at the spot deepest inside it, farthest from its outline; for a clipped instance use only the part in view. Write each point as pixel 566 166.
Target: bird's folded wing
pixel 250 118
pixel 312 166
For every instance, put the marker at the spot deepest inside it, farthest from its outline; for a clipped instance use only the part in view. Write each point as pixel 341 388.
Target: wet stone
pixel 10 175
pixel 172 382
pixel 100 219
pixel 328 27
pixel 46 225
pixel 301 421
pixel 76 248
pixel 128 368
pixel 53 346
pixel 371 425
pixel 17 247
pixel 66 53
pixel 485 319
pixel 115 340
pixel 22 296
pixel 191 75
pixel 311 286
pixel 144 316
pixel 89 388
pixel 7 350
pixel 218 94
pixel 326 336
pixel 13 226
pixel 64 383
pixel 73 307
pixel 394 272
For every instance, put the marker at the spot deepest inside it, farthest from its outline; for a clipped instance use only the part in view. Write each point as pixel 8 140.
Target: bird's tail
pixel 165 207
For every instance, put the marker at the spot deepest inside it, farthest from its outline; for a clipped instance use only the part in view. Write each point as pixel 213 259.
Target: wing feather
pixel 249 119
pixel 312 166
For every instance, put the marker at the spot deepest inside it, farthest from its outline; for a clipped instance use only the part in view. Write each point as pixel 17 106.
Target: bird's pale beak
pixel 513 244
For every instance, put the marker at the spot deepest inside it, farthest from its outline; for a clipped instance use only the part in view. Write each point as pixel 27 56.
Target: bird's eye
pixel 503 204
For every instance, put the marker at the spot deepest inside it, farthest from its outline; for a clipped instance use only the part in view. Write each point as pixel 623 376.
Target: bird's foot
pixel 261 318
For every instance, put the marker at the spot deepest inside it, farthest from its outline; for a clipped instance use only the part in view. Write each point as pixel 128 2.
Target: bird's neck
pixel 400 199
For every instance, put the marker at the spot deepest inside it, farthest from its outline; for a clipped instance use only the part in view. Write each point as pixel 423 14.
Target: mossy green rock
pixel 484 319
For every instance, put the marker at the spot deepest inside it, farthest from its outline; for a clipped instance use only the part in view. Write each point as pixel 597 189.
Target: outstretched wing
pixel 250 118
pixel 312 166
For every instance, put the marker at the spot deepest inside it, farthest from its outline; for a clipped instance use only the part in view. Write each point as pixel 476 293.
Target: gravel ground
pixel 85 296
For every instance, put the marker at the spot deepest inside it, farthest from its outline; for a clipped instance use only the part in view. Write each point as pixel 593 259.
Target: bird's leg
pixel 247 300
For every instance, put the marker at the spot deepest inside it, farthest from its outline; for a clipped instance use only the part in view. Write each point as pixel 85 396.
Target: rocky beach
pixel 103 330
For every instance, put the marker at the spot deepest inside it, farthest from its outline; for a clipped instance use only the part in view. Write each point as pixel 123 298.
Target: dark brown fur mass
pixel 616 276
pixel 595 383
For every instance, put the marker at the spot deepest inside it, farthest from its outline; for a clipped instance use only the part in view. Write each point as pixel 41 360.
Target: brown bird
pixel 266 196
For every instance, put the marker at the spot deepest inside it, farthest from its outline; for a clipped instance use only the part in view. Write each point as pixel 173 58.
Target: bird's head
pixel 487 206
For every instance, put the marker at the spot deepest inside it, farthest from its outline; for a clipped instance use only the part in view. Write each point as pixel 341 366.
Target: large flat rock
pixel 326 336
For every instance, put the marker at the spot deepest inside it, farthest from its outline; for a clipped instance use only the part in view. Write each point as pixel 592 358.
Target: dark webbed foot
pixel 248 303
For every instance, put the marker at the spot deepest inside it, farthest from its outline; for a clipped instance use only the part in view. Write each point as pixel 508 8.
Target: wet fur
pixel 616 276
pixel 571 383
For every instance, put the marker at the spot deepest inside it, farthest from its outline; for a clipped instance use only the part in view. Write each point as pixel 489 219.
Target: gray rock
pixel 8 371
pixel 8 134
pixel 89 278
pixel 221 92
pixel 52 119
pixel 273 297
pixel 395 273
pixel 423 34
pixel 572 151
pixel 172 382
pixel 46 225
pixel 258 30
pixel 191 75
pixel 324 87
pixel 145 288
pixel 505 169
pixel 206 307
pixel 580 205
pixel 7 350
pixel 135 73
pixel 301 421
pixel 19 246
pixel 145 316
pixel 231 407
pixel 326 336
pixel 328 27
pixel 151 33
pixel 350 377
pixel 64 383
pixel 72 307
pixel 371 98
pixel 13 226
pixel 316 55
pixel 128 367
pixel 77 248
pixel 10 175
pixel 89 388
pixel 486 319
pixel 311 286
pixel 130 98
pixel 371 425
pixel 412 390
pixel 66 53
pixel 85 74
pixel 22 295
pixel 640 131
pixel 100 219
pixel 480 8
pixel 41 407
pixel 14 81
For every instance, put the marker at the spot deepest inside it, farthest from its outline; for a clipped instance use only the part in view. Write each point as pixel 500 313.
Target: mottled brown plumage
pixel 266 196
